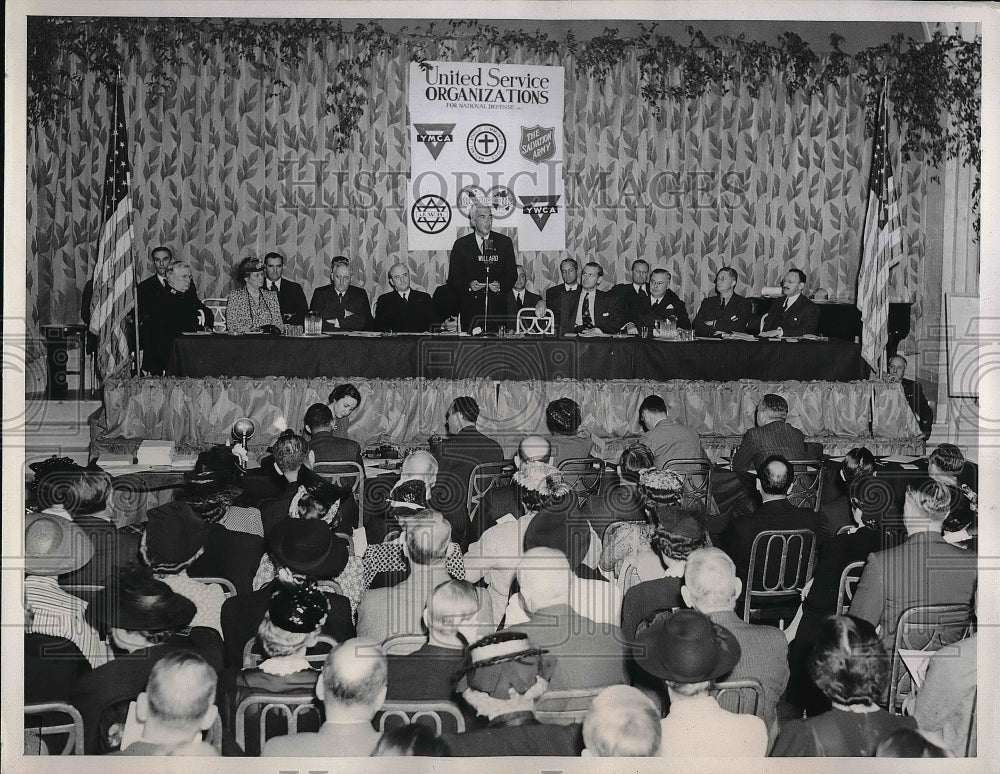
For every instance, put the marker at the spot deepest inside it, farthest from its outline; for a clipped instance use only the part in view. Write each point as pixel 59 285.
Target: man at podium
pixel 482 269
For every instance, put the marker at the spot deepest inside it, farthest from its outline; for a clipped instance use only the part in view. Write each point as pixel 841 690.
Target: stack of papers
pixel 155 453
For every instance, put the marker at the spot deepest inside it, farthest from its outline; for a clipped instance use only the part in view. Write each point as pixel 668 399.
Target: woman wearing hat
pixel 291 625
pixel 850 665
pixel 250 308
pixel 688 653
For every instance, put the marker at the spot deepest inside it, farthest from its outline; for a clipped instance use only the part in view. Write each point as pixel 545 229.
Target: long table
pixel 514 359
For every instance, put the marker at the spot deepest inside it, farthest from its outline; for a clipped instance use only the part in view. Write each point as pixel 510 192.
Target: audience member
pixel 291 298
pixel 944 705
pixel 591 310
pixel 793 314
pixel 250 308
pixel 945 465
pixel 567 439
pixel 622 722
pixel 712 588
pixel 634 296
pixel 668 440
pixel 403 309
pixel 342 306
pixel 324 445
pixel 858 465
pixel 621 500
pixel 727 312
pixel 176 708
pixel 343 401
pixel 851 666
pixel 772 435
pixel 664 303
pixel 688 652
pixel 909 743
pixel 503 676
pixel 352 688
pixel 923 570
pixel 914 394
pixel 502 499
pixel 413 739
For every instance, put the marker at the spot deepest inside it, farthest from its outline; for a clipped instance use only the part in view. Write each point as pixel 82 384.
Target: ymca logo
pixel 540 208
pixel 538 143
pixel 434 136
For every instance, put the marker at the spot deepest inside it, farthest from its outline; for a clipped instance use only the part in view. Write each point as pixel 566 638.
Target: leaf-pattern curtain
pixel 228 164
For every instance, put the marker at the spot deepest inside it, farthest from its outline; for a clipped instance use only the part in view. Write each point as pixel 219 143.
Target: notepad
pixel 900 458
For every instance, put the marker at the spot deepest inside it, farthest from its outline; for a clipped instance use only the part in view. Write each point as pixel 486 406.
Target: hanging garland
pixel 933 86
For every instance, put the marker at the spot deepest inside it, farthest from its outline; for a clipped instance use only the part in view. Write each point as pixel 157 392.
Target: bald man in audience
pixel 177 706
pixel 622 722
pixel 711 587
pixel 504 499
pixel 352 688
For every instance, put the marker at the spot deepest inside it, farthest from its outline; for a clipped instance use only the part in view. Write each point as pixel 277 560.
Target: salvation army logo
pixel 431 214
pixel 501 201
pixel 486 143
pixel 540 208
pixel 434 136
pixel 471 194
pixel 538 143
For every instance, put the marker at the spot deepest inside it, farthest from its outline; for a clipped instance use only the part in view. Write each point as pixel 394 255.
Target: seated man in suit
pixel 728 312
pixel 291 297
pixel 519 297
pixel 403 309
pixel 323 445
pixel 772 435
pixel 506 498
pixel 569 269
pixel 664 304
pixel 352 688
pixel 668 440
pixel 793 314
pixel 914 395
pixel 590 310
pixel 343 306
pixel 177 311
pixel 634 295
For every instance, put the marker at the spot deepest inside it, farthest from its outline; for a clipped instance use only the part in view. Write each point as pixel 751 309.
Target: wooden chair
pixel 52 719
pixel 849 580
pixel 218 307
pixel 565 707
pixel 807 484
pixel 697 481
pixel 785 558
pixel 482 479
pixel 584 475
pixel 531 324
pixel 316 654
pixel 744 697
pixel 292 707
pixel 927 628
pixel 417 711
pixel 345 474
pixel 403 644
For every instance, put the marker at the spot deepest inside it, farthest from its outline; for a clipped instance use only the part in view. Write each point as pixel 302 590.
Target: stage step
pixel 57 427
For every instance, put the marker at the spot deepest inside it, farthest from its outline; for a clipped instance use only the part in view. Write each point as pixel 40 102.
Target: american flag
pixel 114 273
pixel 881 246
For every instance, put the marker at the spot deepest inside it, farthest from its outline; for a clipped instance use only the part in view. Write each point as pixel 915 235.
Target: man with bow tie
pixel 634 295
pixel 291 298
pixel 663 302
pixel 793 314
pixel 342 306
pixel 482 268
pixel 403 309
pixel 728 312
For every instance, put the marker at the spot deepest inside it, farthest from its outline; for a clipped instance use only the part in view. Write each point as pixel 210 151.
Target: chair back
pixel 431 713
pixel 483 478
pixel 268 711
pixel 781 563
pixel 529 323
pixel 925 628
pixel 315 655
pixel 807 484
pixel 744 697
pixel 52 720
pixel 345 473
pixel 403 644
pixel 218 307
pixel 228 588
pixel 584 475
pixel 696 491
pixel 565 707
pixel 849 580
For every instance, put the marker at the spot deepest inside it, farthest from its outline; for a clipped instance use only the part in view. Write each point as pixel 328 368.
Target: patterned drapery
pixel 227 164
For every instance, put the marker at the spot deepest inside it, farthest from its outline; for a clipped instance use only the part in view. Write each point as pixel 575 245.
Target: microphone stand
pixel 487 249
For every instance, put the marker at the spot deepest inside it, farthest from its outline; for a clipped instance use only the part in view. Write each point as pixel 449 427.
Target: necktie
pixel 588 321
pixel 520 299
pixel 406 296
pixel 643 293
pixel 272 287
pixel 341 296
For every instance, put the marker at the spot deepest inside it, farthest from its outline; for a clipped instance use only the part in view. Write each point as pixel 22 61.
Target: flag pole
pixel 135 282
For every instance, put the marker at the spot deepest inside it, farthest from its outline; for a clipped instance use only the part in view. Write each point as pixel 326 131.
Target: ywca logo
pixel 538 143
pixel 540 208
pixel 434 136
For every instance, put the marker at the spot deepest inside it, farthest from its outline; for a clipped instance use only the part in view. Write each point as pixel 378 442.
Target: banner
pixel 492 133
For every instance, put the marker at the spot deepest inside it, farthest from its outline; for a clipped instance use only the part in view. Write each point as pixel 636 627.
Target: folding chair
pixel 218 307
pixel 807 484
pixel 345 474
pixel 52 719
pixel 849 580
pixel 565 707
pixel 482 479
pixel 316 654
pixel 228 589
pixel 744 697
pixel 584 475
pixel 531 324
pixel 785 560
pixel 696 491
pixel 417 711
pixel 292 708
pixel 403 644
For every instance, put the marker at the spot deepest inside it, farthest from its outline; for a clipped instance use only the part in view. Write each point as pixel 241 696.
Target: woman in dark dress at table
pixel 343 401
pixel 250 308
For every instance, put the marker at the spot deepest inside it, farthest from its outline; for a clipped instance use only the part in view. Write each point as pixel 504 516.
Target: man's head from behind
pixel 772 408
pixel 710 582
pixel 289 452
pixel 318 418
pixel 462 412
pixel 651 411
pixel 926 507
pixel 622 722
pixel 179 700
pixel 353 681
pixel 533 448
pixel 544 577
pixel 774 477
pixel 428 535
pixel 450 611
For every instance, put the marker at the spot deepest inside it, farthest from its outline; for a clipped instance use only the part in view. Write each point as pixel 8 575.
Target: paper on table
pixel 916 662
pixel 901 458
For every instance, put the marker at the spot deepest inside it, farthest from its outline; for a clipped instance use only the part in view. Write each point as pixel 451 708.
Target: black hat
pixel 174 534
pixel 137 601
pixel 308 547
pixel 299 608
pixel 687 647
pixel 501 661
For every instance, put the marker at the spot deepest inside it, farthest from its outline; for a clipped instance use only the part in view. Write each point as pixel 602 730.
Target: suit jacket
pixel 668 306
pixel 333 740
pixel 456 457
pixel 231 555
pixel 510 303
pixel 466 264
pixel 923 570
pixel 759 443
pixel 386 612
pixel 918 405
pixel 415 315
pixel 291 301
pixel 149 294
pixel 635 306
pixel 606 314
pixel 713 317
pixel 328 447
pixel 672 441
pixel 554 294
pixel 496 503
pixel 174 313
pixel 525 738
pixel 424 675
pixel 800 319
pixel 326 303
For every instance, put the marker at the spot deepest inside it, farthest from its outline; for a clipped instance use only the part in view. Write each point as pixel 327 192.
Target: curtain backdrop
pixel 227 164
